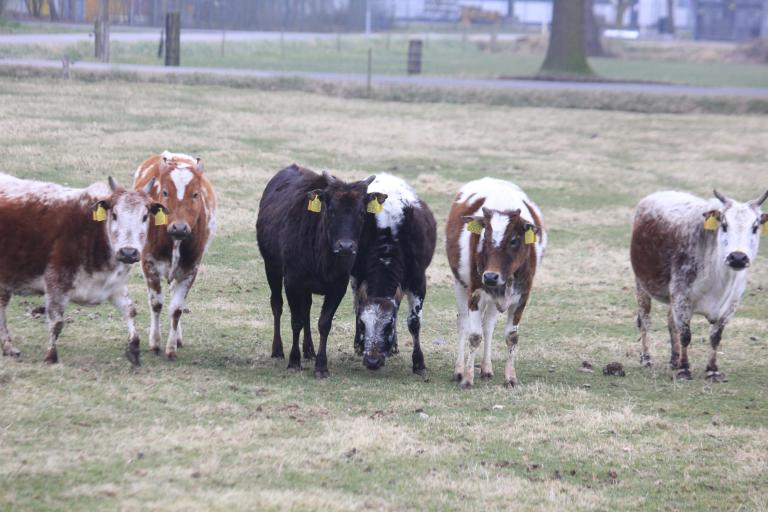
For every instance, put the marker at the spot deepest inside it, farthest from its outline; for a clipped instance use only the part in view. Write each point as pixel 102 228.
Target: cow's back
pixel 42 223
pixel 664 236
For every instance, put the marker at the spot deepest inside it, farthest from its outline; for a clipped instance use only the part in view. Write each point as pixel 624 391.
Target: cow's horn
pixel 149 185
pixel 328 178
pixel 720 196
pixel 369 179
pixel 112 184
pixel 760 200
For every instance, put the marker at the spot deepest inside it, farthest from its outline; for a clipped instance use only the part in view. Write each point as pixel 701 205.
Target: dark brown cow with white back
pixel 692 254
pixel 73 245
pixel 495 240
pixel 174 250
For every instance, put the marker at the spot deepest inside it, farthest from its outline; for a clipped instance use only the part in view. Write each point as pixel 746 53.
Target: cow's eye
pixel 755 227
pixel 194 196
pixel 114 216
pixel 514 241
pixel 144 219
pixel 165 193
pixel 725 227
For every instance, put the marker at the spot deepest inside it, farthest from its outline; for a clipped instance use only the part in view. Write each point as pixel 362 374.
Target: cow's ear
pixel 713 213
pixel 374 202
pixel 156 207
pixel 199 164
pixel 315 200
pixel 764 218
pixel 99 210
pixel 475 223
pixel 378 196
pixel 105 204
pixel 165 164
pixel 527 226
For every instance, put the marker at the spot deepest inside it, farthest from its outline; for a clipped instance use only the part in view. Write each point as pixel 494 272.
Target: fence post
pixel 370 69
pixel 414 56
pixel 101 32
pixel 173 39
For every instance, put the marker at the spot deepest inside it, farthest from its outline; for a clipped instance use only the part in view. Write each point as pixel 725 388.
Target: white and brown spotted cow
pixel 495 240
pixel 692 254
pixel 174 250
pixel 72 245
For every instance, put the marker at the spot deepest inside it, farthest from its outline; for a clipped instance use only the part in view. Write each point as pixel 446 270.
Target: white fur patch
pixel 399 196
pixel 181 178
pixel 15 188
pixel 499 224
pixel 179 156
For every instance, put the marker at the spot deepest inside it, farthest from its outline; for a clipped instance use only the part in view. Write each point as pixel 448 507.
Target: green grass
pixel 225 427
pixel 449 57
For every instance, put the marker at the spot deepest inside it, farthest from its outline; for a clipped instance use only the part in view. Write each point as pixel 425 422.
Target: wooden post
pixel 223 41
pixel 65 67
pixel 414 56
pixel 370 70
pixel 338 42
pixel 101 32
pixel 173 39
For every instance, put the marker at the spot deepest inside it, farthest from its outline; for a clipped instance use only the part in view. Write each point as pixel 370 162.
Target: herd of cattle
pixel 317 234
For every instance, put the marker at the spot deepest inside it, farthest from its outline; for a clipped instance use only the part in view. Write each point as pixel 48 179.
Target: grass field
pixel 227 428
pixel 448 57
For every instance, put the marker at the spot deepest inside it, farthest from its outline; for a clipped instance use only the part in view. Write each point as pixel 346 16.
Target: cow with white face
pixel 495 240
pixel 73 245
pixel 693 254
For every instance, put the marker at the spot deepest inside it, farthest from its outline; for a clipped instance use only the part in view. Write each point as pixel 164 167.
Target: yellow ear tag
pixel 100 214
pixel 374 206
pixel 530 236
pixel 764 231
pixel 315 205
pixel 475 227
pixel 711 223
pixel 160 218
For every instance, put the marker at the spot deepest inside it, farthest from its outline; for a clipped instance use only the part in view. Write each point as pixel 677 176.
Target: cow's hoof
pixel 179 344
pixel 309 356
pixel 322 374
pixel 486 375
pixel 421 372
pixel 395 350
pixel 155 350
pixel 510 383
pixel 171 356
pixel 457 376
pixel 715 377
pixel 684 374
pixel 52 357
pixel 465 384
pixel 358 350
pixel 133 356
pixel 294 366
pixel 277 355
pixel 645 360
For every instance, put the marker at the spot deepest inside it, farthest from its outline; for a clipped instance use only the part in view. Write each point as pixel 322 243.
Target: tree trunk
pixel 52 10
pixel 510 9
pixel 592 43
pixel 565 54
pixel 621 8
pixel 670 16
pixel 102 32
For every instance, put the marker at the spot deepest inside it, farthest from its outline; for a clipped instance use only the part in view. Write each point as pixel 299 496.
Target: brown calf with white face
pixel 494 240
pixel 73 245
pixel 176 244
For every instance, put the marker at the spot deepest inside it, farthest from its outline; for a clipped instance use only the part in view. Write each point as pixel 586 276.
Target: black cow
pixel 308 229
pixel 395 251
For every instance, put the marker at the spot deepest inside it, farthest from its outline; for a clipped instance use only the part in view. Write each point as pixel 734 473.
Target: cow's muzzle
pixel 491 278
pixel 373 361
pixel 737 260
pixel 179 231
pixel 345 247
pixel 128 255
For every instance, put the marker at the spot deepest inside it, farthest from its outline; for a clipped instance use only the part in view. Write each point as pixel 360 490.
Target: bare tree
pixel 566 54
pixel 621 7
pixel 670 17
pixel 592 43
pixel 52 10
pixel 35 7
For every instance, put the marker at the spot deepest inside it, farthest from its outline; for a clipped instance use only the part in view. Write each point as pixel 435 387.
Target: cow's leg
pixel 674 342
pixel 462 321
pixel 297 301
pixel 358 344
pixel 179 292
pixel 715 334
pixel 308 348
pixel 489 322
pixel 122 301
pixel 330 304
pixel 681 317
pixel 475 336
pixel 5 336
pixel 155 296
pixel 644 324
pixel 415 306
pixel 514 315
pixel 275 281
pixel 55 302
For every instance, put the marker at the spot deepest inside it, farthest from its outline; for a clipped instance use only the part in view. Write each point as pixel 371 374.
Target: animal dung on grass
pixel 614 369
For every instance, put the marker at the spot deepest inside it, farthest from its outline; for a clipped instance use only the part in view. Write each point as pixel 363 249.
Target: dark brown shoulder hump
pixel 453 229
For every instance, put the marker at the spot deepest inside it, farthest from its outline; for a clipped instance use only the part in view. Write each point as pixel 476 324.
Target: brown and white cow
pixel 174 250
pixel 73 245
pixel 692 254
pixel 495 240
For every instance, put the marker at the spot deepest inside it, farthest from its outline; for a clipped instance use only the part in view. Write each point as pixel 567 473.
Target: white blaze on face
pixel 128 223
pixel 181 178
pixel 742 231
pixel 499 223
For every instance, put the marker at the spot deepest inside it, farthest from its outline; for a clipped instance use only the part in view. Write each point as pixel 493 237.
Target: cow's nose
pixel 345 246
pixel 179 230
pixel 128 255
pixel 491 278
pixel 373 362
pixel 737 260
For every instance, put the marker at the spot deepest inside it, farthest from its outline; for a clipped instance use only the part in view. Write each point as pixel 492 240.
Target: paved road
pixel 426 81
